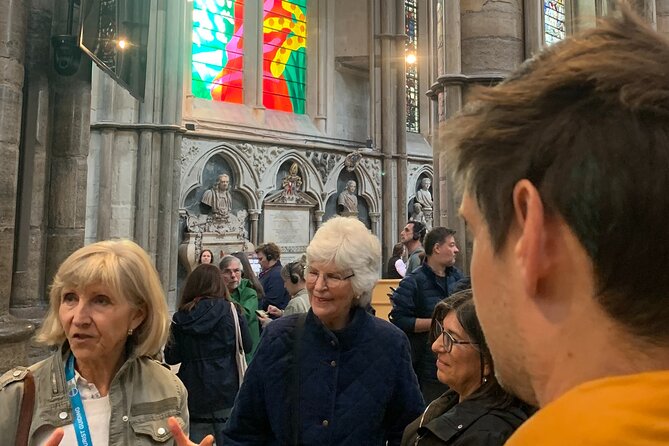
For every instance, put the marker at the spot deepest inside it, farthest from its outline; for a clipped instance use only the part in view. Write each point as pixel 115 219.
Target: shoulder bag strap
pixel 26 413
pixel 239 354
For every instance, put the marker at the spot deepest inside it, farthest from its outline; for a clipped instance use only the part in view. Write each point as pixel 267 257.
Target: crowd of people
pixel 560 335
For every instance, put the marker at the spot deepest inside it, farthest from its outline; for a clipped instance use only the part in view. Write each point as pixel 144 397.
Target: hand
pixel 264 321
pixel 181 438
pixel 55 438
pixel 275 311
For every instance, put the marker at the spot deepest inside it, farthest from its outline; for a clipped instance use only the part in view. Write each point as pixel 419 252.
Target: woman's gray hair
pixel 349 245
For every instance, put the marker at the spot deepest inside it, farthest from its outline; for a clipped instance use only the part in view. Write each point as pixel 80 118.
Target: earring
pixel 130 332
pixel 485 379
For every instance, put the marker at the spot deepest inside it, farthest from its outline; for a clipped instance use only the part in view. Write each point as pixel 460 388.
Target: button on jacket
pixel 143 394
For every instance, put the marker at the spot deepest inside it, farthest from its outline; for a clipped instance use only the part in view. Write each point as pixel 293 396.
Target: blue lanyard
pixel 80 423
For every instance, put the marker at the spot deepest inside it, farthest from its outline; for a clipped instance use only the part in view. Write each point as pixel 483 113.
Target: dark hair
pixel 462 304
pixel 294 270
pixel 398 249
pixel 270 250
pixel 199 260
pixel 418 230
pixel 248 273
pixel 204 281
pixel 587 123
pixel 434 237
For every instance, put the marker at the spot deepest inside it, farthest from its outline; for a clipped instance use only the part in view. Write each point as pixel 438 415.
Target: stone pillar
pixel 388 127
pixel 29 296
pixel 318 219
pixel 662 11
pixel 253 216
pixel 399 44
pixel 374 217
pixel 13 332
pixel 484 43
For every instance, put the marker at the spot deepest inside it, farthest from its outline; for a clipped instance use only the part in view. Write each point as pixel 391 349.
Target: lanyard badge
pixel 80 423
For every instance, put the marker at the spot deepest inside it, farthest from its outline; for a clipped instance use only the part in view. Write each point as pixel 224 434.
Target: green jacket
pixel 247 297
pixel 143 394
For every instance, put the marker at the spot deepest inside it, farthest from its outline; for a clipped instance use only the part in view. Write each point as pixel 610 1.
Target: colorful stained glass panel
pixel 218 50
pixel 554 21
pixel 411 51
pixel 284 55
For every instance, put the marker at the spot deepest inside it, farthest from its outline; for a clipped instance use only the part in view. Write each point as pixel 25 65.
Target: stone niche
pixel 287 217
pixel 214 217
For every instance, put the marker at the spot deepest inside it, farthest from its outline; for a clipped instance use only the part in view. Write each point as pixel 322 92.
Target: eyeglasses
pixel 331 279
pixel 448 339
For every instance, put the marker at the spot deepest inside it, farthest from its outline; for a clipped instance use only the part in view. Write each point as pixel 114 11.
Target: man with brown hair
pixel 565 173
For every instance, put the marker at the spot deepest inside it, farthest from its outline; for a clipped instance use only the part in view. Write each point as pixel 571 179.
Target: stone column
pixel 318 219
pixel 29 297
pixel 13 332
pixel 388 127
pixel 253 216
pixel 401 127
pixel 662 11
pixel 484 43
pixel 374 217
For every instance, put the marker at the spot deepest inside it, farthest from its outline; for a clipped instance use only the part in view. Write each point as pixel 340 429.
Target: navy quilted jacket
pixel 356 385
pixel 416 296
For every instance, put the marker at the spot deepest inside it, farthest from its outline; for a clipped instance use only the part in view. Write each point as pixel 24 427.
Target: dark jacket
pixel 356 385
pixel 203 341
pixel 470 423
pixel 416 296
pixel 391 271
pixel 272 283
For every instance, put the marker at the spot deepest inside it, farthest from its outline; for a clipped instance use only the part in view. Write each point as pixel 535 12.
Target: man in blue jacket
pixel 416 297
pixel 270 277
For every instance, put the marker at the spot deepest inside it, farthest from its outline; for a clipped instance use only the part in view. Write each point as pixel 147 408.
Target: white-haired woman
pixel 335 375
pixel 108 317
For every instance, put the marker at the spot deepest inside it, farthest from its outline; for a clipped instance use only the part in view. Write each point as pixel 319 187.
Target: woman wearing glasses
pixel 335 375
pixel 476 410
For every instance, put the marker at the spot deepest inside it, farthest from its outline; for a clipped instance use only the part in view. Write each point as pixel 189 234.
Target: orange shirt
pixel 622 410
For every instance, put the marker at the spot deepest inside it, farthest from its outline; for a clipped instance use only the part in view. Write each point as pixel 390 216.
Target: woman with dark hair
pixel 204 342
pixel 206 256
pixel 476 410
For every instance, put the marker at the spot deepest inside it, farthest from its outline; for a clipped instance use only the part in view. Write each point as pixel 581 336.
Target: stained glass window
pixel 554 18
pixel 411 52
pixel 284 55
pixel 218 50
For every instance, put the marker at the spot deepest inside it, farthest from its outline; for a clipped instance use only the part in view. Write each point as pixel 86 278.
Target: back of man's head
pixel 587 122
pixel 419 230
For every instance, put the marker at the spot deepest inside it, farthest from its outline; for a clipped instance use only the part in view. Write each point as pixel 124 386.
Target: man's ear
pixel 531 247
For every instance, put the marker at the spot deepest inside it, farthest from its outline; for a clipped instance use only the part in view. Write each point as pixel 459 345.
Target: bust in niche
pixel 218 198
pixel 423 195
pixel 348 200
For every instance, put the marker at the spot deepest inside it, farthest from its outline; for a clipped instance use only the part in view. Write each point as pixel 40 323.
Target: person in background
pixel 293 279
pixel 415 298
pixel 564 173
pixel 243 294
pixel 412 237
pixel 206 256
pixel 248 273
pixel 396 268
pixel 204 340
pixel 335 375
pixel 108 318
pixel 270 277
pixel 476 410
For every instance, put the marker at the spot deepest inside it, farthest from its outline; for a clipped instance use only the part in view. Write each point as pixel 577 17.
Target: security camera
pixel 66 54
